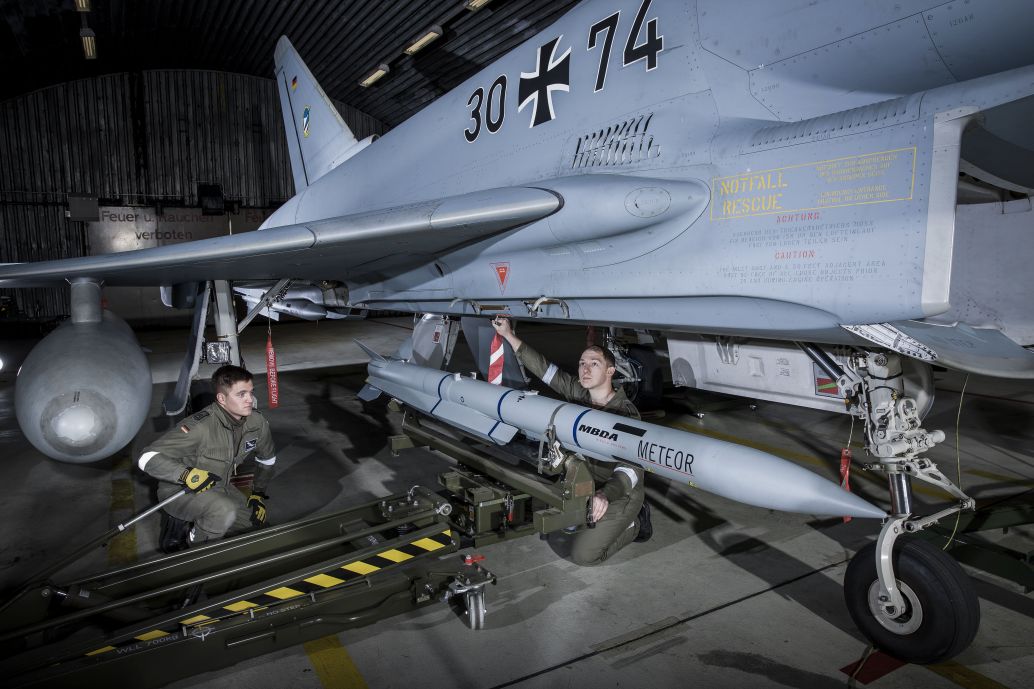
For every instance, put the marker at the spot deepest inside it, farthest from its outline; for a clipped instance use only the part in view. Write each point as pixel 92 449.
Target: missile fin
pixel 374 356
pixel 369 393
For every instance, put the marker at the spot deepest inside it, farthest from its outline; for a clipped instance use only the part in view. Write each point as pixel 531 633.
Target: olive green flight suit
pixel 214 441
pixel 619 525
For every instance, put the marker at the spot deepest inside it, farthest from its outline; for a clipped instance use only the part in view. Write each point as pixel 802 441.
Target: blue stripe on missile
pixel 444 378
pixel 499 411
pixel 499 407
pixel 574 427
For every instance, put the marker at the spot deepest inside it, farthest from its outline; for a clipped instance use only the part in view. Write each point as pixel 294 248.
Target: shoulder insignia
pixel 200 415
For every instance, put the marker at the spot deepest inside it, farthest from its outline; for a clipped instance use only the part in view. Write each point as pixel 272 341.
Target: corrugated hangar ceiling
pixel 341 41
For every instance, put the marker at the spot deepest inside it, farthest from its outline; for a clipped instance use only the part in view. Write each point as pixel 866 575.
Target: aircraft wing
pixel 314 250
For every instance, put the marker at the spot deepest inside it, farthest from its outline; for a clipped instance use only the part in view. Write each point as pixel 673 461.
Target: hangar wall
pixel 135 139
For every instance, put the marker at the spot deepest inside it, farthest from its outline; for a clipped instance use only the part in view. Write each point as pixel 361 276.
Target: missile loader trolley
pixel 496 494
pixel 210 607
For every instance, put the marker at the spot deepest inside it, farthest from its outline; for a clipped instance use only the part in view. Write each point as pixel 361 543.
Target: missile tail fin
pixel 369 393
pixel 374 356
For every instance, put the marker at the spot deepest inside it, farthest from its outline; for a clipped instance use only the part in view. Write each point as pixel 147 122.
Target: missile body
pixel 496 413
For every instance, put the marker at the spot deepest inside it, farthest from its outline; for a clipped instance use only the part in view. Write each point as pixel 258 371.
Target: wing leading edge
pixel 317 250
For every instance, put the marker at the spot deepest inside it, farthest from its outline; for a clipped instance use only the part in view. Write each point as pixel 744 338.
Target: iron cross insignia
pixel 551 74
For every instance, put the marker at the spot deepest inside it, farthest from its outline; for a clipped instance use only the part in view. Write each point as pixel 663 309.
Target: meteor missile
pixel 497 413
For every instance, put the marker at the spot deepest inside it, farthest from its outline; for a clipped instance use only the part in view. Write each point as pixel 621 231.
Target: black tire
pixel 942 614
pixel 475 603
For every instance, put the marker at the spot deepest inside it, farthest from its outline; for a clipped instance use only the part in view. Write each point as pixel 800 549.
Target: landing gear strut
pixel 910 599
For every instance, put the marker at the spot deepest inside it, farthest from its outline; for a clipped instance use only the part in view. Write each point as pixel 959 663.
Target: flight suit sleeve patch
pixel 185 429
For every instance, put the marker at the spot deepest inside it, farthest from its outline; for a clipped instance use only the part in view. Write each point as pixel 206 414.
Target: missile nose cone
pixel 79 424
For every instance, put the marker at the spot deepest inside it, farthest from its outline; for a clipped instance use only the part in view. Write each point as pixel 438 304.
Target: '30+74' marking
pixel 552 73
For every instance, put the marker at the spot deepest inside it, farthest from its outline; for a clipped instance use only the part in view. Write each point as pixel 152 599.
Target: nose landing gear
pixel 909 598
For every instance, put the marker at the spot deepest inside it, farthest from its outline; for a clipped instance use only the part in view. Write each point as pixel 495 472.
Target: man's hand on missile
pixel 599 505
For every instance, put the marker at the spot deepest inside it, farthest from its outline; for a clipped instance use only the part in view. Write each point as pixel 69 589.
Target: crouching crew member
pixel 204 451
pixel 618 506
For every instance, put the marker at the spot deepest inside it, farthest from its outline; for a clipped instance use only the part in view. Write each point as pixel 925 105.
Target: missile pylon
pixel 495 413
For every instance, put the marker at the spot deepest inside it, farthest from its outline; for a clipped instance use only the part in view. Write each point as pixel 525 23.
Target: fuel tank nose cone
pixel 79 423
pixel 76 425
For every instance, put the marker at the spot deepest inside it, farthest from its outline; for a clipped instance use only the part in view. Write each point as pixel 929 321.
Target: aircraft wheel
pixel 941 613
pixel 475 600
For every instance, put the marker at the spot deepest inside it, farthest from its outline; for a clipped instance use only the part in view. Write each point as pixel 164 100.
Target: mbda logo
pixel 592 430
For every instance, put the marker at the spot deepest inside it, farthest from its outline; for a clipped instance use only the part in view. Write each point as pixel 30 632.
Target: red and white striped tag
pixel 495 361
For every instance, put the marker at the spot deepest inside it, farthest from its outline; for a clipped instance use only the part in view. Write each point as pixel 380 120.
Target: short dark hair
pixel 608 356
pixel 225 377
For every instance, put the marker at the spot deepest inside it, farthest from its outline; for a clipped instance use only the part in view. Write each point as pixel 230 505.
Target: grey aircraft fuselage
pixel 740 168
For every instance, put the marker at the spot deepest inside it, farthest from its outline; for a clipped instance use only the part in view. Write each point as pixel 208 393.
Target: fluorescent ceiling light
pixel 432 33
pixel 89 43
pixel 475 5
pixel 82 5
pixel 376 74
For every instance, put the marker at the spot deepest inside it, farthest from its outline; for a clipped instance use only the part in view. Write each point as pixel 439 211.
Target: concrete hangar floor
pixel 724 595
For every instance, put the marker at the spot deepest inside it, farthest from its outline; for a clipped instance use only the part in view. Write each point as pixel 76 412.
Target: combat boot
pixel 645 525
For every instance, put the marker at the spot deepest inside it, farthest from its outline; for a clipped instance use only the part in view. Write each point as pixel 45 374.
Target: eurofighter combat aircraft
pixel 788 175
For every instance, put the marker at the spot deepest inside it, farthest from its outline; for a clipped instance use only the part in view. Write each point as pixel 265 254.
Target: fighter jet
pixel 725 175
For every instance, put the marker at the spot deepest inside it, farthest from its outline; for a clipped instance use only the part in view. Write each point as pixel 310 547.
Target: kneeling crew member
pixel 205 450
pixel 618 506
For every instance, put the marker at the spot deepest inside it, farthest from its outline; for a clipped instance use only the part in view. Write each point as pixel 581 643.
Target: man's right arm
pixel 560 381
pixel 168 456
pixel 566 385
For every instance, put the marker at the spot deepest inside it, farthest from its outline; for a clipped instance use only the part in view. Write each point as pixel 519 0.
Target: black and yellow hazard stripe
pixel 316 582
